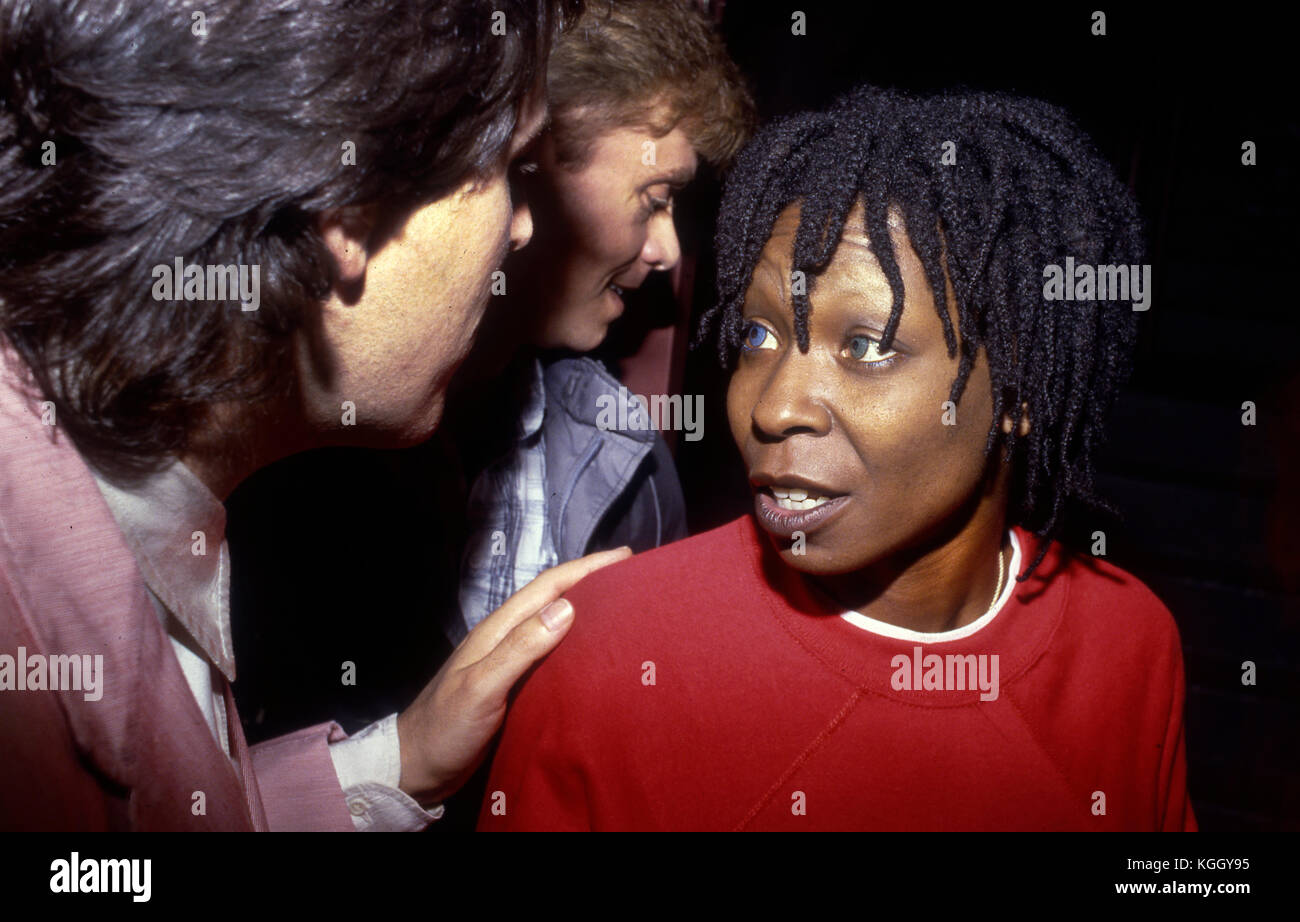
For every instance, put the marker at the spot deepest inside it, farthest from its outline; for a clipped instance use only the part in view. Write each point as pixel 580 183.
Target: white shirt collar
pixel 534 408
pixel 176 528
pixel 886 629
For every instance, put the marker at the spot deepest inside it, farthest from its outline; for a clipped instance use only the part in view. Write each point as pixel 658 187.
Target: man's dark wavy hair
pixel 1028 188
pixel 221 149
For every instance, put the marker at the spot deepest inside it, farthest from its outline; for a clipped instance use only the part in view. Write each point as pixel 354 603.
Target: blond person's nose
pixel 662 250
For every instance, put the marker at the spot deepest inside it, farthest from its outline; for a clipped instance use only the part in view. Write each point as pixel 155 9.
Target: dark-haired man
pixel 134 135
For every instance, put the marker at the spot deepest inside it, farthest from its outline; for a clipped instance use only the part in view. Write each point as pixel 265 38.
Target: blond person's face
pixel 602 229
pixel 392 334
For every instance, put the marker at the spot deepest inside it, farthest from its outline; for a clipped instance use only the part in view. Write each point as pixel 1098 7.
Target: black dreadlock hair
pixel 1027 189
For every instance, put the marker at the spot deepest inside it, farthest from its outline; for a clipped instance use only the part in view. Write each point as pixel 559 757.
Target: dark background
pixel 336 553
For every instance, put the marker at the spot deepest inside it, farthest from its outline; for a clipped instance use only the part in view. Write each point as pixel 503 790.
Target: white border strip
pixel 885 629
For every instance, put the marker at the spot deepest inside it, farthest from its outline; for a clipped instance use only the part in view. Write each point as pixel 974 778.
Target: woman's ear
pixel 1024 421
pixel 346 232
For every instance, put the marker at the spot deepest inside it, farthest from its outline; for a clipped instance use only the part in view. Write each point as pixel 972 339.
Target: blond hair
pixel 651 64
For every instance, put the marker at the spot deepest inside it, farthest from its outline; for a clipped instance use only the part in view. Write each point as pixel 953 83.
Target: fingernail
pixel 557 614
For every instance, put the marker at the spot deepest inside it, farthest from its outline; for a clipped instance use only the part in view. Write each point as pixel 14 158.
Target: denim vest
pixel 604 487
pixel 592 472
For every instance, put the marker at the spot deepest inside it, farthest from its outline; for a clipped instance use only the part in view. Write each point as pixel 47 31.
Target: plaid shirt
pixel 509 535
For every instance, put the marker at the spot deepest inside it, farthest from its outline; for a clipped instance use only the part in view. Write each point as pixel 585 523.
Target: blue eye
pixel 757 336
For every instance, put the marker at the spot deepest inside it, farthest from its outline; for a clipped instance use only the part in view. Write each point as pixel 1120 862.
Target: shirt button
pixel 357 806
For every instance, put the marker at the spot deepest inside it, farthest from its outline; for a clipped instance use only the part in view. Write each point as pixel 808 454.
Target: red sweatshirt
pixel 703 687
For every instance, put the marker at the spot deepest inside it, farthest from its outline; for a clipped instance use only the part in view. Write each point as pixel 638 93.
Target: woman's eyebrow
pixel 871 298
pixel 541 125
pixel 771 271
pixel 679 178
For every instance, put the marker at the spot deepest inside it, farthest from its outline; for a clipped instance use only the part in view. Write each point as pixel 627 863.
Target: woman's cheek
pixel 739 407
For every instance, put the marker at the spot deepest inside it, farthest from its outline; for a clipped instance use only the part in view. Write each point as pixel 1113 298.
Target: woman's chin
pixel 814 562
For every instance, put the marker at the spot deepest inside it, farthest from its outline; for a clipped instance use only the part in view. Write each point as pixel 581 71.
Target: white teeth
pixel 797 500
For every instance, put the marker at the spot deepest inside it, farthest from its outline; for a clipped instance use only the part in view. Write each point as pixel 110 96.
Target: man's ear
pixel 346 232
pixel 1024 421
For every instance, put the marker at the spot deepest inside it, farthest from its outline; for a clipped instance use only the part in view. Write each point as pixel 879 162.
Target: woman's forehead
pixel 853 278
pixel 854 231
pixel 853 263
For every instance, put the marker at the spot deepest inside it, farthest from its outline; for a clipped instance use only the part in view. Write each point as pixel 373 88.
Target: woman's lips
pixel 785 522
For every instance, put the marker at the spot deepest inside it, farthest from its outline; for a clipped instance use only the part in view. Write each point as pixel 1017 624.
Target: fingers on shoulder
pixel 523 645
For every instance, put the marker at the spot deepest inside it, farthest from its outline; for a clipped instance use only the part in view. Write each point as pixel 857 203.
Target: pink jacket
pixel 138 757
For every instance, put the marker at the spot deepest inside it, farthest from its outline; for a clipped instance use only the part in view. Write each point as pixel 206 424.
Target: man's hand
pixel 444 732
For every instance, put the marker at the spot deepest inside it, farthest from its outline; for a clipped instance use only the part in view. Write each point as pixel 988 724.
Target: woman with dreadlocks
pixel 894 639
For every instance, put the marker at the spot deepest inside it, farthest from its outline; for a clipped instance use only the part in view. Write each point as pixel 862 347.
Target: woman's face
pixel 847 444
pixel 601 230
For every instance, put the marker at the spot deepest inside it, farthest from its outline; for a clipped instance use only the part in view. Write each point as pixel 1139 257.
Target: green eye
pixel 867 350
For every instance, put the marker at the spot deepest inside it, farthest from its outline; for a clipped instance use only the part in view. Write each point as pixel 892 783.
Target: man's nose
pixel 790 402
pixel 521 225
pixel 662 250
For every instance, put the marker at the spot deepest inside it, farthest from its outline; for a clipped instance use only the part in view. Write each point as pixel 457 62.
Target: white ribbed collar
pixel 885 629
